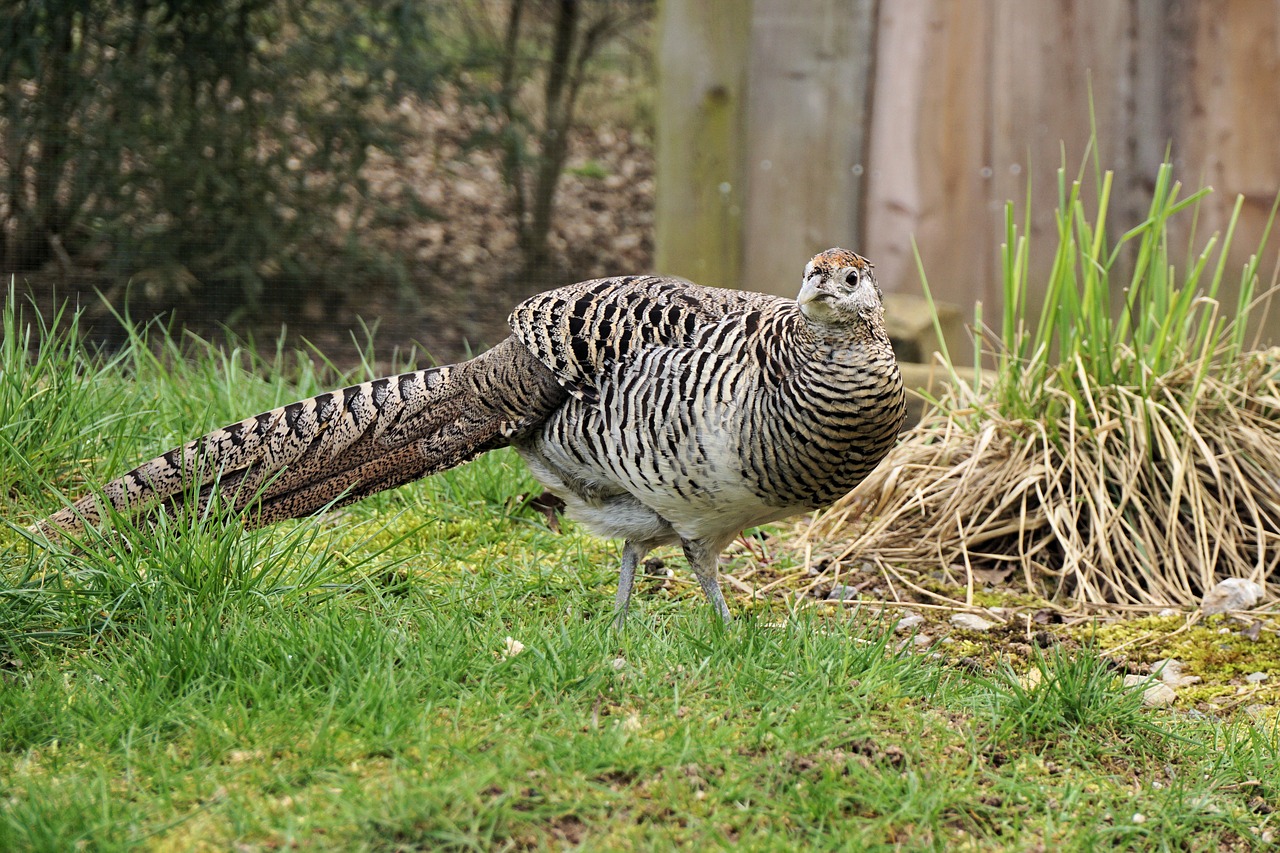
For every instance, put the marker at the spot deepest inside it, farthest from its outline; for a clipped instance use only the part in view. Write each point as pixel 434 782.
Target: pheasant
pixel 659 411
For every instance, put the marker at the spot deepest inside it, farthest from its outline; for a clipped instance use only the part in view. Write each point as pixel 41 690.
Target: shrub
pixel 197 146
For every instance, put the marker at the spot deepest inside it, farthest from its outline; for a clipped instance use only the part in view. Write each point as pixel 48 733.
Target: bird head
pixel 840 289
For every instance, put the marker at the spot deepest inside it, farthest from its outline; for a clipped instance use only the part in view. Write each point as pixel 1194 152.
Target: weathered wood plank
pixel 703 52
pixel 966 97
pixel 809 107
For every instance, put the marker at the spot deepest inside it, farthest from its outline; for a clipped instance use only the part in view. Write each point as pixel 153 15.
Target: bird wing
pixel 577 331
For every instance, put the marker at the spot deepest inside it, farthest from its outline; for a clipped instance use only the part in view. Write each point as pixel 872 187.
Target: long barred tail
pixel 343 445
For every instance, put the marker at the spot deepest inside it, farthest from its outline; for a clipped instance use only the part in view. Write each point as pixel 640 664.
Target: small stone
pixel 841 592
pixel 1256 677
pixel 1139 817
pixel 1258 712
pixel 922 640
pixel 1155 693
pixel 971 622
pixel 1231 594
pixel 512 647
pixel 1169 611
pixel 909 622
pixel 1170 672
pixel 619 664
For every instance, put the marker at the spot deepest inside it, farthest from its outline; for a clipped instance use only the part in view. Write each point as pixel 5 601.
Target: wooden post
pixel 809 109
pixel 703 50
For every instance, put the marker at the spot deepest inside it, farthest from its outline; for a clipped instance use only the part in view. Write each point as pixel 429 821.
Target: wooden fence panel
pixel 928 146
pixel 1230 126
pixel 964 98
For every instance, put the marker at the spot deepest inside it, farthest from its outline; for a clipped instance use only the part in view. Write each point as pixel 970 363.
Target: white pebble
pixel 1231 594
pixel 908 622
pixel 1154 693
pixel 971 622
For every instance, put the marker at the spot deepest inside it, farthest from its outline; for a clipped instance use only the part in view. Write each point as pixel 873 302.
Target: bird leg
pixel 706 566
pixel 632 553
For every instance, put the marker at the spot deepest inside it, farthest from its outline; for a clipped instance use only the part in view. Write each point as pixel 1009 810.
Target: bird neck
pixel 865 334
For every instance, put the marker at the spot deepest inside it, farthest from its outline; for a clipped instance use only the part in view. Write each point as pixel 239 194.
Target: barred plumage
pixel 660 411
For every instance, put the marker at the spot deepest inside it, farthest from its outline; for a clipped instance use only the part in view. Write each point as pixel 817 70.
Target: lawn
pixel 435 668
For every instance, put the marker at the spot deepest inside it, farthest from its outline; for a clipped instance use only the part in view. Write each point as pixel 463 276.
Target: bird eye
pixel 852 278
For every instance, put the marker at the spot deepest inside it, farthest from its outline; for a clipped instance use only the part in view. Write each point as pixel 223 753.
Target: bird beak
pixel 809 290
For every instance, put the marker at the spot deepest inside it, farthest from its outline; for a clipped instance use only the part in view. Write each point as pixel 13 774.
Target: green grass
pixel 347 682
pixel 1051 366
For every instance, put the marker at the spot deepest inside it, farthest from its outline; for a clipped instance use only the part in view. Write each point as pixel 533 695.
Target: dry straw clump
pixel 1152 504
pixel 1125 456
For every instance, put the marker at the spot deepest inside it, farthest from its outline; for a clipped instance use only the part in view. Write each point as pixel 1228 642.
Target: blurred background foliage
pixel 560 44
pixel 197 145
pixel 235 161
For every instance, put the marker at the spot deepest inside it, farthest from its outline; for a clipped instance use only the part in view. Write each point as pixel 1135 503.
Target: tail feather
pixel 342 445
